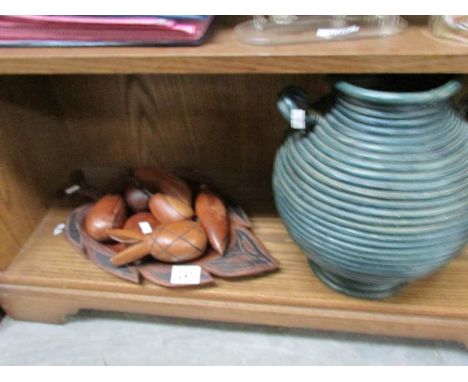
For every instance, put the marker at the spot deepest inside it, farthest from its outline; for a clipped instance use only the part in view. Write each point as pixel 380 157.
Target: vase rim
pixel 443 89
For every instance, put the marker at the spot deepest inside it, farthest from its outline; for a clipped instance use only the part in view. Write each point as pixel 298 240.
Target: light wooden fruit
pixel 134 221
pixel 213 217
pixel 107 213
pixel 178 242
pixel 175 242
pixel 168 209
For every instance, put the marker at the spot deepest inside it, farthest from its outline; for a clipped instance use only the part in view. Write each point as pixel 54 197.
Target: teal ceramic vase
pixel 375 191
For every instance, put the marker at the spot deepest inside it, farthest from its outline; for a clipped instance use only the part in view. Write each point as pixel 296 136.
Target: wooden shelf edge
pixel 54 305
pixel 236 65
pixel 414 50
pixel 49 281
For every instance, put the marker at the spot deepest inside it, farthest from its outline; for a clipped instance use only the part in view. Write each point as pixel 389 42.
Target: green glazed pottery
pixel 375 191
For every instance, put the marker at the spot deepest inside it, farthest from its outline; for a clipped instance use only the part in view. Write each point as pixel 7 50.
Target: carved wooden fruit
pixel 175 242
pixel 116 247
pixel 169 209
pixel 136 198
pixel 126 236
pixel 162 181
pixel 107 213
pixel 244 256
pixel 213 216
pixel 133 222
pixel 179 242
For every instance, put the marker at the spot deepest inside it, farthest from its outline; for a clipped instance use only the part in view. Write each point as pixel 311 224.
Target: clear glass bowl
pixel 450 27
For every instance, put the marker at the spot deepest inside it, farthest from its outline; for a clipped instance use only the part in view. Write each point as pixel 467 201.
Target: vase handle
pixel 291 101
pixel 462 106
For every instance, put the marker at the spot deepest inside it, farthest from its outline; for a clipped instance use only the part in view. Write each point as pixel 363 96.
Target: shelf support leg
pixel 34 308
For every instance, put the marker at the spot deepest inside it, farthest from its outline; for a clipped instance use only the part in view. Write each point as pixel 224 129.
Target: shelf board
pixel 49 280
pixel 413 51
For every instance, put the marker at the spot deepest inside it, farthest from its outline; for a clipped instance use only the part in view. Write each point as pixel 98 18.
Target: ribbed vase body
pixel 377 194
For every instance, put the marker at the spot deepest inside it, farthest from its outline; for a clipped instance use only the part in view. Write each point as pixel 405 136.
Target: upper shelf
pixel 413 51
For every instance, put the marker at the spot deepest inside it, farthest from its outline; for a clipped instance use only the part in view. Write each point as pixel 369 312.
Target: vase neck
pixel 394 91
pixel 398 110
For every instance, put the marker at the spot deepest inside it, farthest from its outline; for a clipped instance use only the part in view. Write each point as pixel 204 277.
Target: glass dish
pixel 450 27
pixel 276 30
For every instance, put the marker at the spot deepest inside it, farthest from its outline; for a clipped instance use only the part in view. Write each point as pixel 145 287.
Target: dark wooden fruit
pixel 213 217
pixel 168 209
pixel 158 180
pixel 136 198
pixel 133 222
pixel 107 213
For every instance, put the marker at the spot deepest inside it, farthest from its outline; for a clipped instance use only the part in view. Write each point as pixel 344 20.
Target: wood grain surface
pixel 222 130
pixel 49 280
pixel 218 129
pixel 33 159
pixel 413 51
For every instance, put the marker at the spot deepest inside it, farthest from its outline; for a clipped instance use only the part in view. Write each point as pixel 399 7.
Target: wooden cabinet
pixel 208 113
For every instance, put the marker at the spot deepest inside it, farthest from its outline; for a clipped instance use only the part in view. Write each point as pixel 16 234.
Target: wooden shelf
pixel 48 280
pixel 413 51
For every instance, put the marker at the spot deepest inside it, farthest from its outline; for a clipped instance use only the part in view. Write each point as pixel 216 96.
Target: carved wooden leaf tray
pixel 245 256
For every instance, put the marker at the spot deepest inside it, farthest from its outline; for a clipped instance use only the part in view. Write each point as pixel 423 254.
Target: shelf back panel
pixel 222 130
